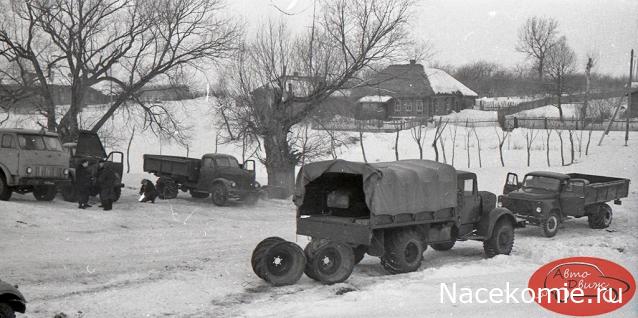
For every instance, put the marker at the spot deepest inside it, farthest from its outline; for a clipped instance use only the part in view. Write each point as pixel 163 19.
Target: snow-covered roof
pixel 443 83
pixel 374 99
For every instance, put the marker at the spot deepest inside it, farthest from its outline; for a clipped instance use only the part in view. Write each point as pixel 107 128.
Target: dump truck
pixel 390 210
pixel 547 199
pixel 218 175
pixel 89 147
pixel 31 161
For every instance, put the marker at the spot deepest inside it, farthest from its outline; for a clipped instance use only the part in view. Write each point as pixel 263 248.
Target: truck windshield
pixel 227 162
pixel 540 182
pixel 38 142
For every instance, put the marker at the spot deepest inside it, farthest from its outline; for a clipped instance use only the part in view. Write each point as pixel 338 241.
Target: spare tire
pixel 44 192
pixel 262 247
pixel 280 264
pixel 329 262
pixel 600 216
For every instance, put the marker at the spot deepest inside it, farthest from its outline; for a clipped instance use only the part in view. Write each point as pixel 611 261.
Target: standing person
pixel 83 184
pixel 149 191
pixel 106 182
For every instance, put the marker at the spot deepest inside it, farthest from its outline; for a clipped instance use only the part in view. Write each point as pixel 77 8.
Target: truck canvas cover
pixel 391 188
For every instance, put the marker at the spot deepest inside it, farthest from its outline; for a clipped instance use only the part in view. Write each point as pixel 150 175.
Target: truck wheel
pixel 44 193
pixel 502 239
pixel 68 193
pixel 166 188
pixel 403 251
pixel 198 195
pixel 446 246
pixel 264 245
pixel 550 224
pixel 359 252
pixel 5 192
pixel 6 311
pixel 329 262
pixel 219 194
pixel 600 217
pixel 281 263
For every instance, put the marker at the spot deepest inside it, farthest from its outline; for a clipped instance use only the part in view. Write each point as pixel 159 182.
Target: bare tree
pixel 478 146
pixel 453 138
pixel 530 135
pixel 549 134
pixel 344 39
pixel 124 43
pixel 561 63
pixel 396 145
pixel 501 141
pixel 535 38
pixel 440 128
pixel 363 148
pixel 418 134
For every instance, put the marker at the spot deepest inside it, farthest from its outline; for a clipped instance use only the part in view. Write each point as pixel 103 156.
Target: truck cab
pixel 547 198
pixel 31 161
pixel 89 147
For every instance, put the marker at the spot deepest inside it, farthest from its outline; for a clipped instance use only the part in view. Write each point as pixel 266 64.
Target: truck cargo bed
pixel 173 166
pixel 599 189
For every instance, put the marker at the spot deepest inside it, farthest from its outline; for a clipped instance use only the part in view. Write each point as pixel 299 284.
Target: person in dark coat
pixel 149 191
pixel 83 184
pixel 106 182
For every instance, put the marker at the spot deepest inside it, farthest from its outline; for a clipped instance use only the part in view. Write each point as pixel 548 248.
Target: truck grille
pixel 47 172
pixel 519 206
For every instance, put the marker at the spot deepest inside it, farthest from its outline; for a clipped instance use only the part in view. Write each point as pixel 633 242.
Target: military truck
pixel 11 301
pixel 89 147
pixel 548 198
pixel 31 161
pixel 390 210
pixel 218 175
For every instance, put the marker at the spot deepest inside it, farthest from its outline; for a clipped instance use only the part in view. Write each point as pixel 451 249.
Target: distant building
pixel 27 98
pixel 165 93
pixel 411 90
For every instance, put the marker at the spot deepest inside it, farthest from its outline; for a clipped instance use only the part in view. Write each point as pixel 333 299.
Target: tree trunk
pixel 396 146
pixel 454 145
pixel 571 145
pixel 280 165
pixel 467 148
pixel 128 152
pixel 591 129
pixel 363 148
pixel 549 134
pixel 442 150
pixel 478 146
pixel 562 154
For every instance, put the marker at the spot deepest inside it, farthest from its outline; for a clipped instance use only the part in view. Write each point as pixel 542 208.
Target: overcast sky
pixel 471 30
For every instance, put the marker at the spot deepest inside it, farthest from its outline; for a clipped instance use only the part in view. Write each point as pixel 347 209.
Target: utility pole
pixel 628 110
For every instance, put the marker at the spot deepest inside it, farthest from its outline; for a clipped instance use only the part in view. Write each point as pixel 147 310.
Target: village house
pixel 411 90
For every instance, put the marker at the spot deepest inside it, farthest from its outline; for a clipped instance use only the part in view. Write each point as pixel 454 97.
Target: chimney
pixel 412 62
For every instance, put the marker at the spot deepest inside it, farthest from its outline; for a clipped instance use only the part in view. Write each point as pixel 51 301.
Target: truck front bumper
pixel 42 181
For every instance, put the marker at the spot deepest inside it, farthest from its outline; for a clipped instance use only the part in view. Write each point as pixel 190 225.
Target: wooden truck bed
pixel 172 166
pixel 603 189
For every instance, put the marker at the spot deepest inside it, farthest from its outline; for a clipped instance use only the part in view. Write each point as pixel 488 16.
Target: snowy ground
pixel 188 258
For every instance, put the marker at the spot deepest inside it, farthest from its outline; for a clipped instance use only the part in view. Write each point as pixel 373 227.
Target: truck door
pixel 572 198
pixel 511 183
pixel 206 174
pixel 468 203
pixel 9 155
pixel 116 160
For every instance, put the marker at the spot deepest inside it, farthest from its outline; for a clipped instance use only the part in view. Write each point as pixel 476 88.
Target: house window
pixel 397 106
pixel 419 106
pixel 407 106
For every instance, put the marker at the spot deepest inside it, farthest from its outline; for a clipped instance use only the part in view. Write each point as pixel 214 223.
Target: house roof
pixel 443 83
pixel 413 80
pixel 374 99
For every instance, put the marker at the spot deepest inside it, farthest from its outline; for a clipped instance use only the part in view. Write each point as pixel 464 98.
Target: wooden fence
pixel 512 122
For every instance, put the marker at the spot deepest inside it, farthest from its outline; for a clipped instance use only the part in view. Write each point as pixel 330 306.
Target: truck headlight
pixel 233 184
pixel 499 204
pixel 66 172
pixel 539 209
pixel 29 170
pixel 257 185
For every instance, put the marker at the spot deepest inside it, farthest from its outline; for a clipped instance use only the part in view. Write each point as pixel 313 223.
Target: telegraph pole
pixel 629 90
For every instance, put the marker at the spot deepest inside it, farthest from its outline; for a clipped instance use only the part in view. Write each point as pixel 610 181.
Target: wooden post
pixel 628 110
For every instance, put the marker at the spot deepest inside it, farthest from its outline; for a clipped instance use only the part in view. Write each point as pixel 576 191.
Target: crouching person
pixel 148 191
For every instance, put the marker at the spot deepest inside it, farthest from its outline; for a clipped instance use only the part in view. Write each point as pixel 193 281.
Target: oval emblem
pixel 582 286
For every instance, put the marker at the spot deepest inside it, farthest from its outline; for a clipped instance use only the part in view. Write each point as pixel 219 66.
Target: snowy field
pixel 188 258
